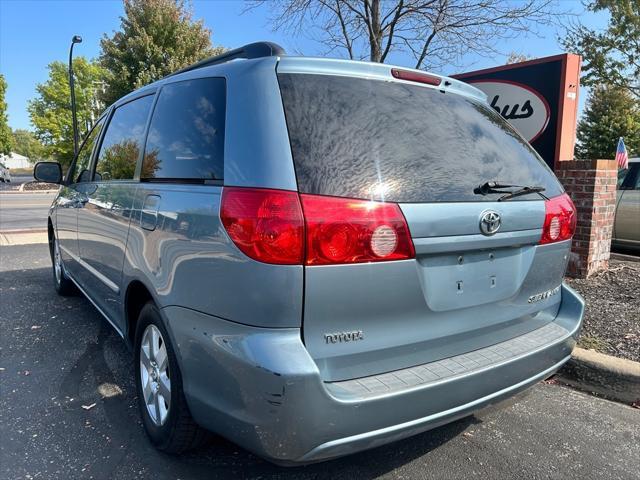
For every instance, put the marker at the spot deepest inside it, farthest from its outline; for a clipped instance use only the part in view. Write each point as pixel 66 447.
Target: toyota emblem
pixel 490 222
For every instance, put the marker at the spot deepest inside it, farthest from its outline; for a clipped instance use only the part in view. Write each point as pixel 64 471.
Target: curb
pixel 612 377
pixel 23 237
pixel 624 257
pixel 21 192
pixel 24 230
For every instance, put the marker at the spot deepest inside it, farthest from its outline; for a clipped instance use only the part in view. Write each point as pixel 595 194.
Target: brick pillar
pixel 592 187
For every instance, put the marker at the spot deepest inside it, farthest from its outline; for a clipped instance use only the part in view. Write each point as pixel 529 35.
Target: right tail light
pixel 559 220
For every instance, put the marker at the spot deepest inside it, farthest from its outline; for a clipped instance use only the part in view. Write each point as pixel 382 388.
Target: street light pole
pixel 74 40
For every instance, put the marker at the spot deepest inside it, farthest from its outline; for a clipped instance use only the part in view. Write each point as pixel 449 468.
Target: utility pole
pixel 74 40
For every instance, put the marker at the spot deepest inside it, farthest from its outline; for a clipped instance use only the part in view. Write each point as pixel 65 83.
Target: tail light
pixel 559 220
pixel 269 226
pixel 342 230
pixel 416 77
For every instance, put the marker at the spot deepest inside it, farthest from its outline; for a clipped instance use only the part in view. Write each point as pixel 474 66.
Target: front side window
pixel 123 141
pixel 81 171
pixel 186 134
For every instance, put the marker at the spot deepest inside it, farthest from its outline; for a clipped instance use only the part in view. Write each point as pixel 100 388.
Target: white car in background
pixel 5 174
pixel 626 229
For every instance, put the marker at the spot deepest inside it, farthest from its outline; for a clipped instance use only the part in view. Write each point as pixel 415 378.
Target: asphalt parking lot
pixel 57 355
pixel 24 211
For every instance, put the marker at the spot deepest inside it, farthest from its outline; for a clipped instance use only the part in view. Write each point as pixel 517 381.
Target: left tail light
pixel 287 228
pixel 559 220
pixel 267 225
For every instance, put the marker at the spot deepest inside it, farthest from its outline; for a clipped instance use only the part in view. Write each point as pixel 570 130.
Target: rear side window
pixel 379 140
pixel 631 178
pixel 123 140
pixel 186 135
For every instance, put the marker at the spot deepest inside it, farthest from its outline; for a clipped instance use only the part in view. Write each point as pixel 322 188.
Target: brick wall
pixel 592 187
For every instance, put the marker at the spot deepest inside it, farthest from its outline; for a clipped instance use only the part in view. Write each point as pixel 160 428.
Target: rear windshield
pixel 378 140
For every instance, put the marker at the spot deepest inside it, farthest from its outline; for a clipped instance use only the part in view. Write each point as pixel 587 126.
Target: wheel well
pixel 136 297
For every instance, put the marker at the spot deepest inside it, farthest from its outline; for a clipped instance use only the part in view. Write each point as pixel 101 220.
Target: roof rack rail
pixel 252 50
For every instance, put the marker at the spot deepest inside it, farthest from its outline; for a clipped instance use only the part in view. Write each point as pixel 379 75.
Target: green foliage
pixel 156 37
pixel 27 144
pixel 6 140
pixel 50 111
pixel 119 161
pixel 611 113
pixel 612 56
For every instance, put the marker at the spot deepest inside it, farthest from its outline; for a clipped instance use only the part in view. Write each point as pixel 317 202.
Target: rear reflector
pixel 267 225
pixel 416 77
pixel 343 230
pixel 560 219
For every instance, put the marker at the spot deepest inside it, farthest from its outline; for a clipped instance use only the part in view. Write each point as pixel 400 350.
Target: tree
pixel 611 113
pixel 611 56
pixel 156 37
pixel 27 144
pixel 6 140
pixel 433 32
pixel 50 111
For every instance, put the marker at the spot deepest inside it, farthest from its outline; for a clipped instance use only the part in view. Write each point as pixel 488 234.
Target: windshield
pixel 372 139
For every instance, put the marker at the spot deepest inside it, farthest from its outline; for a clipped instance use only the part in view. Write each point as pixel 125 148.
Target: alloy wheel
pixel 154 375
pixel 57 261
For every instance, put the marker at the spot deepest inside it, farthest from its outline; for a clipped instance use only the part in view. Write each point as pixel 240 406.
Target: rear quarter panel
pixel 189 261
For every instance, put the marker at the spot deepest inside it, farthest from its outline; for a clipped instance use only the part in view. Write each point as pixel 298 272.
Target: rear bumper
pixel 261 389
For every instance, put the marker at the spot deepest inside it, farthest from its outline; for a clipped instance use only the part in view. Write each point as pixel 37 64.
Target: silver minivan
pixel 313 257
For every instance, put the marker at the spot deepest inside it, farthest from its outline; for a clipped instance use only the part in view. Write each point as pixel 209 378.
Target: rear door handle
pixel 149 212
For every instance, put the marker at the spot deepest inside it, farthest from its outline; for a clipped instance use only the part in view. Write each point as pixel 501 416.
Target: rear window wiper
pixel 524 191
pixel 497 187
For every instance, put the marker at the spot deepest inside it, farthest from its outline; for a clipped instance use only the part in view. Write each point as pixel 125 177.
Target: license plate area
pixel 465 279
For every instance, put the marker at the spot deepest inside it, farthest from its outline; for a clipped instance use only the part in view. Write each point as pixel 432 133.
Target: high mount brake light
pixel 269 226
pixel 559 220
pixel 416 77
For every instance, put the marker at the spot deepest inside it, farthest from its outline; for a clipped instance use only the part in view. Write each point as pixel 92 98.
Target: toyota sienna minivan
pixel 313 257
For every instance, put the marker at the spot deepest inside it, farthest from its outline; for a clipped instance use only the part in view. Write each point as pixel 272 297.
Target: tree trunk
pixel 375 32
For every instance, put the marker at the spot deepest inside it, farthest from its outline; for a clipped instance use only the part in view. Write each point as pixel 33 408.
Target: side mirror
pixel 49 172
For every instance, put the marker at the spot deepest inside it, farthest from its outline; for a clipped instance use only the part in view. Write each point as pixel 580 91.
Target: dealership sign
pixel 525 108
pixel 539 98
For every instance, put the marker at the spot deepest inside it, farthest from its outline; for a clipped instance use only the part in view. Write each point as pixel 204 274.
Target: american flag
pixel 621 155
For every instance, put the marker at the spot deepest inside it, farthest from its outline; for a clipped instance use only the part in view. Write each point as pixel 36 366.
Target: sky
pixel 35 33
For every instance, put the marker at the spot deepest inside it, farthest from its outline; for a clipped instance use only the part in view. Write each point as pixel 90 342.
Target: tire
pixel 168 424
pixel 62 283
